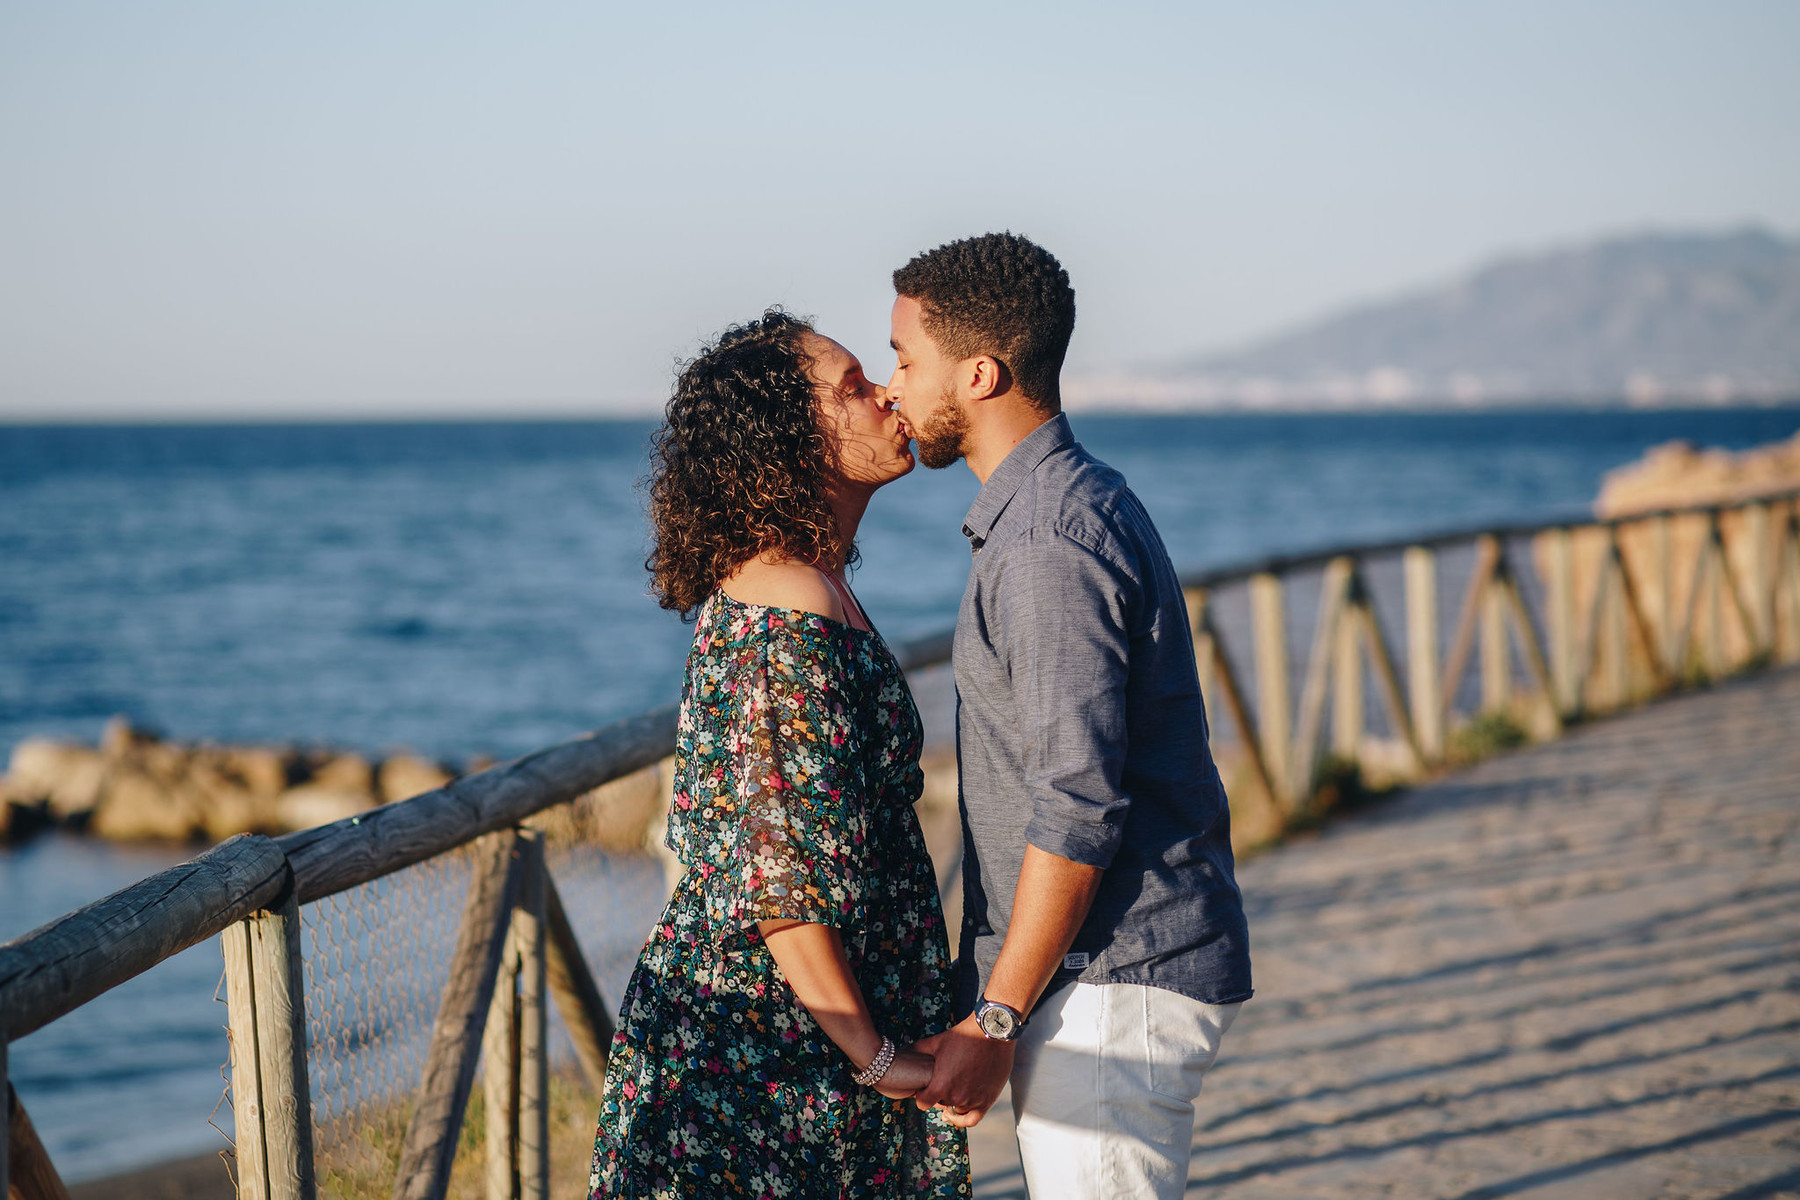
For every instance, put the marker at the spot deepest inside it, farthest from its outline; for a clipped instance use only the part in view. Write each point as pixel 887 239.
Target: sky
pixel 372 210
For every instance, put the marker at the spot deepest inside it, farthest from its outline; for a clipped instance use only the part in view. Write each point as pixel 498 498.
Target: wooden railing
pixel 1622 610
pixel 1617 614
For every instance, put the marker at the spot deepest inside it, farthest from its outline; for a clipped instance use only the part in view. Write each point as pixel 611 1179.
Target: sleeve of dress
pixel 802 826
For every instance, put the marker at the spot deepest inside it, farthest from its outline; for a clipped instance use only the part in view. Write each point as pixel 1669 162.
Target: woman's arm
pixel 812 958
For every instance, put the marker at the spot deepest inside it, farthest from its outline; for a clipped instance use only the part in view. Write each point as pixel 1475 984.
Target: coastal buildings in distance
pixel 1659 320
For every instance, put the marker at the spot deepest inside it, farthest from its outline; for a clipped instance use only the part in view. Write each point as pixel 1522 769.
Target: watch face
pixel 996 1022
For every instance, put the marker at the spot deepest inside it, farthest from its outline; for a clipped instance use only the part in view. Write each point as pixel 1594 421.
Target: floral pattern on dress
pixel 796 771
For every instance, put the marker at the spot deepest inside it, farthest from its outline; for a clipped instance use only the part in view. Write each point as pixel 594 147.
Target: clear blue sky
pixel 337 209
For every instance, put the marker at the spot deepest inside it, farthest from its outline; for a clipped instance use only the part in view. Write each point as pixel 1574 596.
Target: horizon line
pixel 1102 409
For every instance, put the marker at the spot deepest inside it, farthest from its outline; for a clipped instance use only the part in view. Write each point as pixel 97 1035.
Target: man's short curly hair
pixel 740 464
pixel 1000 295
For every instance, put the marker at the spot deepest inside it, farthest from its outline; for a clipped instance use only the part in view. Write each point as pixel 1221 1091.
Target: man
pixel 1104 951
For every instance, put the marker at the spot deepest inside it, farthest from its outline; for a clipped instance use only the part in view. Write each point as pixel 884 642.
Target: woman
pixel 764 1043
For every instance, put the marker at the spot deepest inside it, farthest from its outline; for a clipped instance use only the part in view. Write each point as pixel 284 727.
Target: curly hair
pixel 1000 295
pixel 739 465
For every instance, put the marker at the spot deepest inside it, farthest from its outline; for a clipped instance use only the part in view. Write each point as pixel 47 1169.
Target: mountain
pixel 1654 319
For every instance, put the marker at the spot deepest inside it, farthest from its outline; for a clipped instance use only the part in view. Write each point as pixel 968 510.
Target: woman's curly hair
pixel 738 468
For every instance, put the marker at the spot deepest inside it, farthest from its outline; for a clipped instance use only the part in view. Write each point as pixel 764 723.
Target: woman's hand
pixel 910 1071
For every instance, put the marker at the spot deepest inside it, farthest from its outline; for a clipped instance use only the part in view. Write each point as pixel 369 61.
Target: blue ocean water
pixel 478 588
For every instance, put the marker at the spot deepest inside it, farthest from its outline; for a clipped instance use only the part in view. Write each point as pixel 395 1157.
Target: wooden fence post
pixel 1713 631
pixel 1661 599
pixel 500 1077
pixel 1422 651
pixel 1496 659
pixel 534 1029
pixel 248 1142
pixel 1559 602
pixel 271 1097
pixel 1637 626
pixel 1268 622
pixel 1347 718
pixel 1691 640
pixel 1334 595
pixel 514 1045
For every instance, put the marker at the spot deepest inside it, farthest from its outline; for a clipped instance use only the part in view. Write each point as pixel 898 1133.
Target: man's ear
pixel 985 377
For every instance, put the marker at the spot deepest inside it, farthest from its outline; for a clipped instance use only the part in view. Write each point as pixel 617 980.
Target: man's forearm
pixel 1049 905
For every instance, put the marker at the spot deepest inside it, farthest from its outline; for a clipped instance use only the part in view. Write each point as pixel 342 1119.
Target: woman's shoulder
pixel 793 586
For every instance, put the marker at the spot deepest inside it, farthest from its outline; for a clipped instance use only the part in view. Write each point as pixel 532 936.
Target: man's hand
pixel 971 1070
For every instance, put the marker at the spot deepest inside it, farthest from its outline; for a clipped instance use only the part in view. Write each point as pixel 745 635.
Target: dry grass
pixel 364 1169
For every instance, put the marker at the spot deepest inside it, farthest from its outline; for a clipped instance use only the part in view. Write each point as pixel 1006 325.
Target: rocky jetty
pixel 137 786
pixel 1679 475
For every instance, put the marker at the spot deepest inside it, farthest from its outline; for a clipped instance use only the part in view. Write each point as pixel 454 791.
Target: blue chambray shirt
pixel 1080 730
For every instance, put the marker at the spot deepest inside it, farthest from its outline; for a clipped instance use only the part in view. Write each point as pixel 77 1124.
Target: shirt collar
pixel 1012 473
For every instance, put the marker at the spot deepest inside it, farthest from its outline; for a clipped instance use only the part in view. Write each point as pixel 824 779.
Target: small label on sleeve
pixel 1075 962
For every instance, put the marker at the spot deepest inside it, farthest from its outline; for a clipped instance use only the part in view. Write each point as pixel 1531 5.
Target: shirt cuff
pixel 1089 845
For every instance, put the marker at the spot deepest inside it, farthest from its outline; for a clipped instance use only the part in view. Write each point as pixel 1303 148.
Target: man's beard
pixel 940 439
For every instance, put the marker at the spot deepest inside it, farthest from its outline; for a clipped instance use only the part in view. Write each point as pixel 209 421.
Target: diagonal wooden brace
pixel 443 1096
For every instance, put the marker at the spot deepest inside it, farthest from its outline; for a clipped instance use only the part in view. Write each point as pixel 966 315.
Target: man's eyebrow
pixel 893 344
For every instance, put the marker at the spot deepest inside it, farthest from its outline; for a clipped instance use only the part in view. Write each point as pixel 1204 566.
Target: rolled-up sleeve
pixel 1066 607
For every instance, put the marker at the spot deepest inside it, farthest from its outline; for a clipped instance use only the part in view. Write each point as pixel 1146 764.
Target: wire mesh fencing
pixel 377 959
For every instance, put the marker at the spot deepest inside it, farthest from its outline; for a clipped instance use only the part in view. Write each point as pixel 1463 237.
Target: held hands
pixel 968 1075
pixel 910 1071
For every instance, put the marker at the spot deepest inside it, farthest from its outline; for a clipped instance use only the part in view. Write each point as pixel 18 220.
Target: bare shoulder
pixel 784 585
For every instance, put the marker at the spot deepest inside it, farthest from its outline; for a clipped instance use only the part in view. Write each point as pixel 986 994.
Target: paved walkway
pixel 1572 971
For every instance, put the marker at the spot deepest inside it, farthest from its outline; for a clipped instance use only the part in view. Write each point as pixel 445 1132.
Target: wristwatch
pixel 998 1021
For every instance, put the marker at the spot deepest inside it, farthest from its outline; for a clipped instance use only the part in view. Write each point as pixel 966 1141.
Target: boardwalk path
pixel 1572 971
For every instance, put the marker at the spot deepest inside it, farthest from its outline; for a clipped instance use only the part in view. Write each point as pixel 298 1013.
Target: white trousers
pixel 1103 1088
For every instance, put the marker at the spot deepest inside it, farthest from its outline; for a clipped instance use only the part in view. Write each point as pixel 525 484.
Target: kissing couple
pixel 795 1026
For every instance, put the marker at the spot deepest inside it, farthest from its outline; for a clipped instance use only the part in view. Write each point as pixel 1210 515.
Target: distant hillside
pixel 1643 320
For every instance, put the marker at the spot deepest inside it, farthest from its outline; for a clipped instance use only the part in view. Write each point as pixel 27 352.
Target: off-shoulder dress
pixel 796 771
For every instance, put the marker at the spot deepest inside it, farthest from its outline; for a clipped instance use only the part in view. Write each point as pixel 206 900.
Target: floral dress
pixel 796 769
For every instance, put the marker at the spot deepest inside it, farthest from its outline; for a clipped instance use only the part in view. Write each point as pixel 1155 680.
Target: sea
pixel 477 589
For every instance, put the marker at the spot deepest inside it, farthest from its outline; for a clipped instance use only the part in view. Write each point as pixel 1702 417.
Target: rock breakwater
pixel 137 786
pixel 1680 474
pixel 1667 561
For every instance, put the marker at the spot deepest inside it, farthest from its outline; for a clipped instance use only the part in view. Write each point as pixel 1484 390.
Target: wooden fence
pixel 1604 615
pixel 1557 624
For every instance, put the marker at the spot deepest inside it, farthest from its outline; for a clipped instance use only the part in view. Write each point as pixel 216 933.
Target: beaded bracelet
pixel 878 1066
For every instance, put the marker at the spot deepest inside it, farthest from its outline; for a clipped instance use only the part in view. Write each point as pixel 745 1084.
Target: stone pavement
pixel 1571 971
